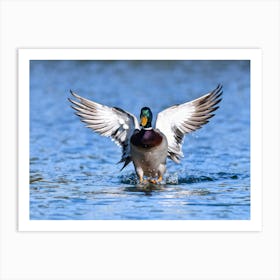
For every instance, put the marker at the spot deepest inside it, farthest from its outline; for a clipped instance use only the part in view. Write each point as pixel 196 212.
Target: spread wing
pixel 178 120
pixel 107 121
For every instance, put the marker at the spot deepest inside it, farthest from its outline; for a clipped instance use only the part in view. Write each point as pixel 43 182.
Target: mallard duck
pixel 147 147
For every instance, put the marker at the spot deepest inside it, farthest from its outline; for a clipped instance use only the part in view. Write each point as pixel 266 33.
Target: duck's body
pixel 148 147
pixel 149 150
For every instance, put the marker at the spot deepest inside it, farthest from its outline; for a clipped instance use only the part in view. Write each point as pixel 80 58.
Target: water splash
pixel 172 179
pixel 175 179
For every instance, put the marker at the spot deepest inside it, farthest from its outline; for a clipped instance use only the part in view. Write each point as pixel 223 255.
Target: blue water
pixel 73 171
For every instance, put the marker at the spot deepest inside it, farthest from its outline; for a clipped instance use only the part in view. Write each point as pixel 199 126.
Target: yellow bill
pixel 144 120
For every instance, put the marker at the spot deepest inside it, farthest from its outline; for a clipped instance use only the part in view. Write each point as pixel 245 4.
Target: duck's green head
pixel 146 117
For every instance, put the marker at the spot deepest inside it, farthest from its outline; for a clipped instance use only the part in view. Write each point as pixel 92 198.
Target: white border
pixel 25 55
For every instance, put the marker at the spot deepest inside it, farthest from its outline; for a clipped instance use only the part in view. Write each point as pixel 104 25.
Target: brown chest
pixel 146 138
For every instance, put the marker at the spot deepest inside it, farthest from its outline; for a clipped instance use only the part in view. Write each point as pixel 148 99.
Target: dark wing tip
pixel 219 86
pixel 126 161
pixel 217 91
pixel 75 103
pixel 70 100
pixel 216 95
pixel 75 94
pixel 72 92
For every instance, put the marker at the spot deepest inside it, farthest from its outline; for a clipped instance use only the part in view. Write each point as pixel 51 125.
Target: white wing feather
pixel 107 121
pixel 178 120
